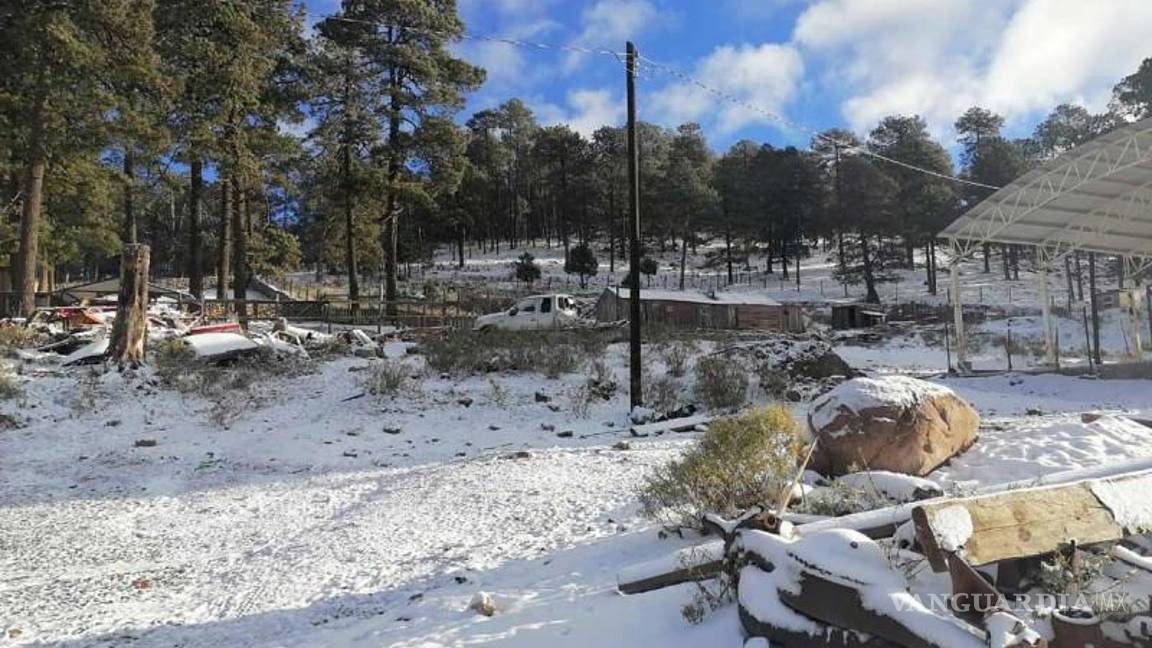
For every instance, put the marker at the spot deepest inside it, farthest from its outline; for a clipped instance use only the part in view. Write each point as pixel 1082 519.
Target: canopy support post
pixel 1135 298
pixel 958 318
pixel 1046 307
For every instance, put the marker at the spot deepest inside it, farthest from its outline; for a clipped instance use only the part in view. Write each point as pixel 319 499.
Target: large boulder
pixel 891 423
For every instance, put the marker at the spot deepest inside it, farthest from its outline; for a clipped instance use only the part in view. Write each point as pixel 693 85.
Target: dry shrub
pixel 386 378
pixel 234 387
pixel 676 357
pixel 721 384
pixel 10 387
pixel 662 394
pixel 552 353
pixel 740 462
pixel 13 336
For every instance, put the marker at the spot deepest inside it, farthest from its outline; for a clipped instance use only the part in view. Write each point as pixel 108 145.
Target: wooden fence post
pixel 130 328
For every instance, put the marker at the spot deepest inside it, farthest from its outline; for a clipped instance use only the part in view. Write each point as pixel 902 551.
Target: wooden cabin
pixel 695 310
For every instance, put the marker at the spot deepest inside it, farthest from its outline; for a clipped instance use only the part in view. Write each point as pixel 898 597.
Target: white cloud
pixel 766 76
pixel 609 23
pixel 936 58
pixel 586 111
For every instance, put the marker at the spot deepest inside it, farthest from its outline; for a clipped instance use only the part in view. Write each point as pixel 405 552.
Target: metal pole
pixel 958 320
pixel 1046 306
pixel 636 383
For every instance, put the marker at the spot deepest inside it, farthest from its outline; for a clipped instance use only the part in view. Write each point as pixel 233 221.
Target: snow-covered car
pixel 534 313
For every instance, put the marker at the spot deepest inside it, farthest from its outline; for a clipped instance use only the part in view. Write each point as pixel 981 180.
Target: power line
pixel 574 49
pixel 684 76
pixel 774 116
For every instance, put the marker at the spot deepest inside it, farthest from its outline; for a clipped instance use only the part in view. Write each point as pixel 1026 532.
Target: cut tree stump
pixel 130 329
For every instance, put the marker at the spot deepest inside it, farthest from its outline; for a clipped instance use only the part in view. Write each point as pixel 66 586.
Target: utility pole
pixel 636 382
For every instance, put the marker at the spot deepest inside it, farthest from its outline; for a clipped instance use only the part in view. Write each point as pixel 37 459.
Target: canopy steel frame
pixel 1095 198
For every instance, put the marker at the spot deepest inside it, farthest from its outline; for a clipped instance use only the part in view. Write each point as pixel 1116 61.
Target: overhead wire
pixel 774 116
pixel 683 76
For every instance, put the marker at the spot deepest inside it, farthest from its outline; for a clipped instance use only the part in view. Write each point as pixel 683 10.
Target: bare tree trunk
pixel 195 200
pixel 869 276
pixel 30 215
pixel 224 244
pixel 240 236
pixel 683 258
pixel 130 328
pixel 129 233
pixel 390 235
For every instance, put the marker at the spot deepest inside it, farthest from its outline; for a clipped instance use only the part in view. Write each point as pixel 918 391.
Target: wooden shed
pixel 694 310
pixel 854 316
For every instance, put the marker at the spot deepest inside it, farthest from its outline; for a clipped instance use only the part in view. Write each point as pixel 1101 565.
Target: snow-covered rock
pixel 893 423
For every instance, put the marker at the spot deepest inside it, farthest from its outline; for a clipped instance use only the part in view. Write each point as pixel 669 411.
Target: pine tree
pixel 65 70
pixel 405 47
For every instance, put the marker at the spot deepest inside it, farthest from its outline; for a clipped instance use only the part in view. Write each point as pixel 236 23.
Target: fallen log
pixel 882 522
pixel 1092 417
pixel 688 565
pixel 685 424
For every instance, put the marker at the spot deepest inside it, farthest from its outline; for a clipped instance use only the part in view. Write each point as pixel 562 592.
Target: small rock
pixel 352 433
pixel 565 434
pixel 519 454
pixel 541 397
pixel 547 427
pixel 483 603
pixel 793 396
pixel 466 402
pixel 145 443
pixel 554 407
pixel 112 423
pixel 351 454
pixel 609 424
pixel 460 580
pixel 142 584
pixel 622 445
pixel 392 430
pixel 1032 411
pixel 493 427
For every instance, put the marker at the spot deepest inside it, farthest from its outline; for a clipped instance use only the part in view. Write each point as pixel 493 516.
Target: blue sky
pixel 819 63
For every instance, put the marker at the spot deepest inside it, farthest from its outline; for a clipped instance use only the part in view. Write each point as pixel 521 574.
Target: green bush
pixel 721 384
pixel 740 462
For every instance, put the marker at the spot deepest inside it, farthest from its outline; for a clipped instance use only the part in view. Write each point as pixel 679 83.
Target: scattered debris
pixel 145 443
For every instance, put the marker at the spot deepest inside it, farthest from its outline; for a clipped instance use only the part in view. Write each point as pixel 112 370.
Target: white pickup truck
pixel 538 312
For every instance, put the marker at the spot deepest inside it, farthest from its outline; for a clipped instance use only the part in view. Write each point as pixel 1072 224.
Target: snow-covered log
pixel 837 578
pixel 1030 522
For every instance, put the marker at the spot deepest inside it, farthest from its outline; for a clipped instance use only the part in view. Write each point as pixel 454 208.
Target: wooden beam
pixel 1018 524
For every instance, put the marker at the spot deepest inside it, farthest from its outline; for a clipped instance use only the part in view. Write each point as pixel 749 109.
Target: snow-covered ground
pixel 316 518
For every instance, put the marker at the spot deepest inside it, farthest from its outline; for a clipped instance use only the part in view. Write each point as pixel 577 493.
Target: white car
pixel 535 313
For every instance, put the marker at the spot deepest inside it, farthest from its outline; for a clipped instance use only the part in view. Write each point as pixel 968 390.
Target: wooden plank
pixel 1015 524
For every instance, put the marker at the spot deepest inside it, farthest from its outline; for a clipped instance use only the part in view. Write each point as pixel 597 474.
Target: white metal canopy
pixel 1096 197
